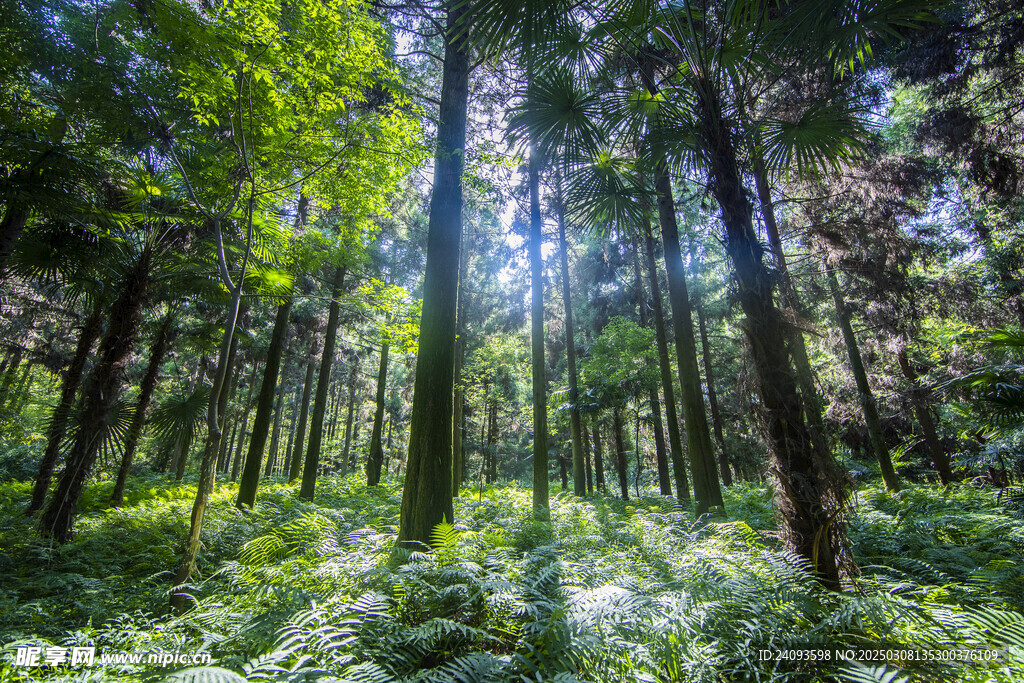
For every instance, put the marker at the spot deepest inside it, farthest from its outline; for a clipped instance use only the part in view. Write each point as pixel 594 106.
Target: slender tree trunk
pixel 157 352
pixel 575 423
pixel 492 443
pixel 598 459
pixel 798 348
pixel 867 397
pixel 275 435
pixel 586 457
pixel 707 492
pixel 541 506
pixel 376 453
pixel 101 391
pixel 459 398
pixel 716 415
pixel 237 460
pixel 664 480
pixel 231 447
pixel 316 431
pixel 307 389
pixel 285 462
pixel 250 480
pixel 810 491
pixel 427 498
pixel 353 376
pixel 919 399
pixel 620 453
pixel 62 413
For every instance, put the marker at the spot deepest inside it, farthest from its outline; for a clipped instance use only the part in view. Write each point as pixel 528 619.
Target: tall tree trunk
pixel 316 431
pixel 664 481
pixel 459 398
pixel 427 498
pixel 156 356
pixel 919 399
pixel 375 455
pixel 716 415
pixel 707 492
pixel 294 466
pixel 275 435
pixel 811 495
pixel 579 484
pixel 620 452
pixel 598 459
pixel 798 348
pixel 353 376
pixel 867 397
pixel 250 480
pixel 237 460
pixel 231 447
pixel 100 393
pixel 541 506
pixel 59 422
pixel 586 457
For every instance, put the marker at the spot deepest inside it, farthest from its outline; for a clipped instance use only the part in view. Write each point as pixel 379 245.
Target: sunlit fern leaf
pixel 1002 627
pixel 367 672
pixel 859 673
pixel 204 674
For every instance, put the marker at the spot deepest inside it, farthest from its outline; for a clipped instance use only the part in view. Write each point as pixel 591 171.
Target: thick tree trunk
pixel 598 459
pixel 316 430
pixel 579 484
pixel 707 492
pixel 294 467
pixel 664 480
pixel 919 399
pixel 427 498
pixel 620 453
pixel 810 491
pixel 250 480
pixel 716 414
pixel 101 391
pixel 541 505
pixel 867 397
pixel 59 422
pixel 375 457
pixel 665 367
pixel 157 352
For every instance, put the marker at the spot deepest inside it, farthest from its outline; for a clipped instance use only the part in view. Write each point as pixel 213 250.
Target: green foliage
pixel 604 592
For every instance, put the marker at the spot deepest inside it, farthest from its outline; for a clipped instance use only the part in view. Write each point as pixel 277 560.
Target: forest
pixel 474 341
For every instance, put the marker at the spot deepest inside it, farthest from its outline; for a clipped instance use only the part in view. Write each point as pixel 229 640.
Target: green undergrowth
pixel 607 591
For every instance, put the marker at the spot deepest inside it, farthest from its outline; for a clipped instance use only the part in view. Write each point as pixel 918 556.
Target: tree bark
pixel 250 480
pixel 353 376
pixel 919 399
pixel 101 391
pixel 427 498
pixel 810 492
pixel 459 398
pixel 375 456
pixel 316 430
pixel 275 434
pixel 62 413
pixel 586 458
pixel 157 353
pixel 867 397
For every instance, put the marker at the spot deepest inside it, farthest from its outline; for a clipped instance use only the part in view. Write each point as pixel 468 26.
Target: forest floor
pixel 609 590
